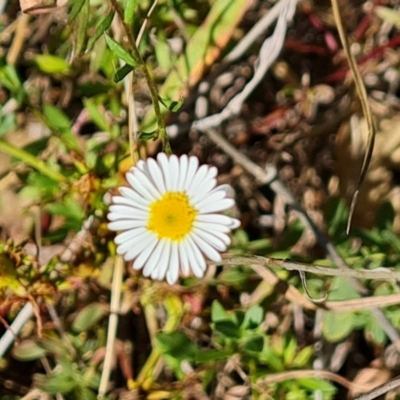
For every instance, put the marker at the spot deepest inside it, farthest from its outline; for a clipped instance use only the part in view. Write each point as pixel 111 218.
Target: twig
pixel 28 310
pixel 19 322
pixel 270 175
pixel 258 29
pixel 284 376
pixel 112 326
pixel 378 274
pixel 380 390
pixel 269 52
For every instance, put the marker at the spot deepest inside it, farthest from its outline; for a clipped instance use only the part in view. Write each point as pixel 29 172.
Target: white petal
pixel 128 212
pixel 163 263
pixel 156 175
pixel 235 223
pixel 212 198
pixel 139 165
pixel 124 224
pixel 127 236
pixel 219 206
pixel 144 255
pixel 133 195
pixel 152 263
pixel 219 241
pixel 134 243
pixel 209 251
pixel 139 187
pixel 204 191
pixel 183 169
pixel 183 257
pixel 173 268
pixel 196 259
pixel 209 227
pixel 147 182
pixel 123 201
pixel 164 166
pixel 217 219
pixel 143 241
pixel 193 186
pixel 191 170
pixel 174 172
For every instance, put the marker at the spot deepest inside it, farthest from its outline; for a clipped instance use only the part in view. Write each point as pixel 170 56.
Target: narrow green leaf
pixel 96 115
pixel 119 51
pixel 129 12
pixel 80 28
pixel 55 384
pixel 100 29
pixel 55 118
pixel 28 350
pixel 88 316
pixel 76 8
pixel 122 73
pixel 145 136
pixel 51 64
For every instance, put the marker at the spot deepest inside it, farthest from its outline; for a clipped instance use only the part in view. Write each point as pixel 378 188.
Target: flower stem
pixel 150 81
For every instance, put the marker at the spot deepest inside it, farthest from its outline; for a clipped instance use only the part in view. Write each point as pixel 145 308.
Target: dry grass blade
pixel 364 104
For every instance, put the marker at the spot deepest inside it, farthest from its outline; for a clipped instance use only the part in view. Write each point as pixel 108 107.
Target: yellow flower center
pixel 172 216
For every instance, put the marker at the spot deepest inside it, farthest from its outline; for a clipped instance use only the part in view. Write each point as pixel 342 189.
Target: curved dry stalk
pixel 284 376
pixel 380 390
pixel 386 274
pixel 362 94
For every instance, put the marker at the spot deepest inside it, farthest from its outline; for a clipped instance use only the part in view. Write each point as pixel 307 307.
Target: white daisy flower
pixel 170 217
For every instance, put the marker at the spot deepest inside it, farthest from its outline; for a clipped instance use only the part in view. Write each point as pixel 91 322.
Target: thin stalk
pixel 149 79
pixel 31 160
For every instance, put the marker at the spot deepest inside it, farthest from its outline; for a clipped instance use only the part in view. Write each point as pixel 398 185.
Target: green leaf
pixel 342 289
pixel 218 312
pixel 7 123
pixel 122 72
pixel 337 326
pixel 303 357
pixel 120 52
pixel 55 384
pixel 100 29
pixel 171 105
pixel 254 344
pixel 28 350
pixel 55 118
pixel 177 345
pixel 129 11
pixel 80 29
pixel 206 356
pixel 145 136
pixel 76 8
pixel 253 317
pixel 71 210
pixel 50 64
pixel 228 329
pixel 9 78
pixel 96 115
pixel 88 316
